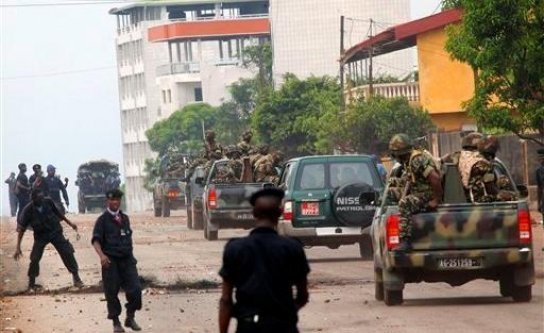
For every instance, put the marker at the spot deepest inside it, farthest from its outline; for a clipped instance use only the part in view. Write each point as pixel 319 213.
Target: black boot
pixel 117 328
pixel 404 246
pixel 32 285
pixel 77 280
pixel 131 323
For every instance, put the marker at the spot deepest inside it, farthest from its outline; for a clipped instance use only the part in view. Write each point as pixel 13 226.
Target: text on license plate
pixel 459 262
pixel 244 216
pixel 310 208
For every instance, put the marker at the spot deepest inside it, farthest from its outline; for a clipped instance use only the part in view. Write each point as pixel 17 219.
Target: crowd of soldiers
pixel 417 183
pixel 246 162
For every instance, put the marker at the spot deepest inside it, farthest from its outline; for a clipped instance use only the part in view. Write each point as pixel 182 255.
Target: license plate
pixel 310 208
pixel 459 262
pixel 244 217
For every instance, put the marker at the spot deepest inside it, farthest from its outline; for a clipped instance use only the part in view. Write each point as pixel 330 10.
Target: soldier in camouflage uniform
pixel 260 151
pixel 488 147
pixel 265 168
pixel 468 143
pixel 423 190
pixel 245 146
pixel 477 175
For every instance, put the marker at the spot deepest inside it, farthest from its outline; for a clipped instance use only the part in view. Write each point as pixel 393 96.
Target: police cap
pixel 114 194
pixel 266 192
pixel 36 167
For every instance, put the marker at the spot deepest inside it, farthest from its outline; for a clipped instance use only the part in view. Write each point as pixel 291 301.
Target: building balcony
pixel 409 90
pixel 178 68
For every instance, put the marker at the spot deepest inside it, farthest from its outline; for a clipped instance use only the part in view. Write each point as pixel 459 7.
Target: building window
pixel 198 94
pixel 163 96
pixel 169 93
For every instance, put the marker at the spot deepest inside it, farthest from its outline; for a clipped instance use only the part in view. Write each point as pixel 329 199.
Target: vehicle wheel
pixel 522 293
pixel 392 297
pixel 365 249
pixel 165 208
pixel 212 235
pixel 189 218
pixel 197 220
pixel 81 208
pixel 157 209
pixel 378 284
pixel 506 285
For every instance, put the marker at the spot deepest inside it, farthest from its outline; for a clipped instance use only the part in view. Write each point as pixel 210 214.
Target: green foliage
pixel 368 125
pixel 293 118
pixel 259 58
pixel 503 41
pixel 152 173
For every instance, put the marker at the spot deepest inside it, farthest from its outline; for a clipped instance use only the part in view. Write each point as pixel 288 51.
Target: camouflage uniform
pixel 477 175
pixel 245 146
pixel 265 168
pixel 261 151
pixel 469 143
pixel 488 147
pixel 232 171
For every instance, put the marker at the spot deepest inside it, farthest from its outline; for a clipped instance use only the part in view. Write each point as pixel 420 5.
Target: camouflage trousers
pixel 408 206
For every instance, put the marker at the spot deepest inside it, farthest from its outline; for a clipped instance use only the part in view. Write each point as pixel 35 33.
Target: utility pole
pixel 371 51
pixel 342 103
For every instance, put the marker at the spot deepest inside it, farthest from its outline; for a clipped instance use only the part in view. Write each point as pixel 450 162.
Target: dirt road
pixel 182 269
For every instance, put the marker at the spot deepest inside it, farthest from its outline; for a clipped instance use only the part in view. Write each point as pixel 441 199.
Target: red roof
pixel 400 37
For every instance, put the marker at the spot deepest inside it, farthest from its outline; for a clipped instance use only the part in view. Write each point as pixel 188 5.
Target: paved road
pixel 171 255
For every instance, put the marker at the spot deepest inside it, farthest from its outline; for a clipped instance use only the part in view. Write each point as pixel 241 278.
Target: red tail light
pixel 212 198
pixel 524 227
pixel 288 211
pixel 392 231
pixel 172 194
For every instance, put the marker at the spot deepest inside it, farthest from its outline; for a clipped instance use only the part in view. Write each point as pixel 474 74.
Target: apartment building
pixel 172 53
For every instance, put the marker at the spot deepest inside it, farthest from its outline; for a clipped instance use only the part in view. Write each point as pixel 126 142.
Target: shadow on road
pixel 326 260
pixel 458 301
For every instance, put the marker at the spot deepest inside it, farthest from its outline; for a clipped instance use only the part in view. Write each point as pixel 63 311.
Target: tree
pixel 293 117
pixel 503 42
pixel 259 57
pixel 368 125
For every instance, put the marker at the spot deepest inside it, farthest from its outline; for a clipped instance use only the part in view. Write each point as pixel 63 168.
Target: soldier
pixel 263 269
pixel 44 218
pixel 540 183
pixel 232 172
pixel 55 186
pixel 423 190
pixel 22 188
pixel 488 147
pixel 260 151
pixel 12 183
pixel 468 143
pixel 214 151
pixel 265 168
pixel 477 175
pixel 112 241
pixel 245 145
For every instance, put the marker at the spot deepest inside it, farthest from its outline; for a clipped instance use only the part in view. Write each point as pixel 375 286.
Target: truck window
pixel 285 176
pixel 312 177
pixel 348 173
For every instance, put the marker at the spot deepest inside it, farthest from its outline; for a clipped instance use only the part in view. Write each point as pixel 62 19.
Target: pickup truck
pixel 226 205
pixel 457 243
pixel 322 204
pixel 168 194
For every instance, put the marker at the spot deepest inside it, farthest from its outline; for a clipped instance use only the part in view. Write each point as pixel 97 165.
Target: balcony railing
pixel 178 68
pixel 410 90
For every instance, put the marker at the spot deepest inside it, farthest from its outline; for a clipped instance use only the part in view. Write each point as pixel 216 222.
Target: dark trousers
pixel 122 273
pixel 63 247
pixel 246 325
pixel 13 204
pixel 23 200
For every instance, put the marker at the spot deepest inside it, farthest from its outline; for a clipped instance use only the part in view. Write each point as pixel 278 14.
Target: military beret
pixel 540 151
pixel 266 192
pixel 114 194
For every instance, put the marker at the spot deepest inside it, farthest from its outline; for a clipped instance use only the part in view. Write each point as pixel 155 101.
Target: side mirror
pixel 523 190
pixel 199 180
pixel 369 199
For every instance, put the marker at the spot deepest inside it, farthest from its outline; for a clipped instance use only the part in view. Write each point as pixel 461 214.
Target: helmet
pixel 263 149
pixel 400 144
pixel 231 149
pixel 210 135
pixel 470 141
pixel 489 145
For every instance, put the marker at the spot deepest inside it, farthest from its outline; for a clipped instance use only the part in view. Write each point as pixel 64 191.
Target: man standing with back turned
pixel 263 268
pixel 112 240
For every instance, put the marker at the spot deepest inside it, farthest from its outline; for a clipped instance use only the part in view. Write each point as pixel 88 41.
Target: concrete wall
pixel 306 34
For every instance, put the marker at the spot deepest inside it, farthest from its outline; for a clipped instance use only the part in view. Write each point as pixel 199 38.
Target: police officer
pixel 112 240
pixel 262 268
pixel 12 183
pixel 55 186
pixel 22 189
pixel 423 188
pixel 44 218
pixel 37 180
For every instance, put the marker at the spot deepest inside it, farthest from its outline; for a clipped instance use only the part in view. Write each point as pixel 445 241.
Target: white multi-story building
pixel 172 53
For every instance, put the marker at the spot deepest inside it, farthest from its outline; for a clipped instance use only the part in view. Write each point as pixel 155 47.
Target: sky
pixel 58 90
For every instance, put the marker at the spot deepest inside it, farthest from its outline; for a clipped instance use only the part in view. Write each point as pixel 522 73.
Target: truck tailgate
pixel 234 196
pixel 463 226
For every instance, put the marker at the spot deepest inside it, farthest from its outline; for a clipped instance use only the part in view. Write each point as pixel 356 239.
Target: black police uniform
pixel 263 267
pixel 45 222
pixel 54 187
pixel 115 239
pixel 23 195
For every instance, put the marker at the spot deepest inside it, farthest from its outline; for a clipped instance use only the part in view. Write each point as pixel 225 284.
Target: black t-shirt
pixel 115 239
pixel 23 179
pixel 263 267
pixel 44 219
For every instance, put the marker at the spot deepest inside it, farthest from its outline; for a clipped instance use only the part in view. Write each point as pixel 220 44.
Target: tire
pixel 506 284
pixel 81 208
pixel 165 208
pixel 157 209
pixel 522 293
pixel 392 297
pixel 208 234
pixel 378 284
pixel 189 218
pixel 347 203
pixel 365 249
pixel 197 220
